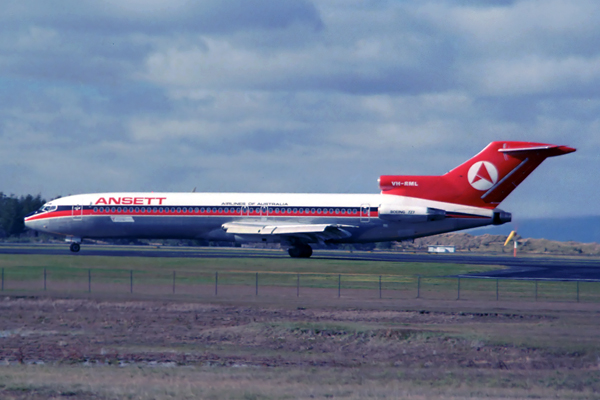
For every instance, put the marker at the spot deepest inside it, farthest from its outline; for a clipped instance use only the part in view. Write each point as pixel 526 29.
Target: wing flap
pixel 321 231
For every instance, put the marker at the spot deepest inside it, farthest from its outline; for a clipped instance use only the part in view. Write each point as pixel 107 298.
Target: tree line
pixel 12 211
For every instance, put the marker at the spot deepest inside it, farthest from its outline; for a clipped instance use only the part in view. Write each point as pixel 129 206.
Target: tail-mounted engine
pixel 501 217
pixel 410 214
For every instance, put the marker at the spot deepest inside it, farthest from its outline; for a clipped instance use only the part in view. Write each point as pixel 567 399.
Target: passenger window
pixel 95 209
pixel 196 210
pixel 295 211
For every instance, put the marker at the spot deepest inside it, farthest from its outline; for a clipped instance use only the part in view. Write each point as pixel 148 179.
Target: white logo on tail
pixel 483 175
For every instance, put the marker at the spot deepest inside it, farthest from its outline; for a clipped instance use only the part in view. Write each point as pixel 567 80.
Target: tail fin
pixel 483 181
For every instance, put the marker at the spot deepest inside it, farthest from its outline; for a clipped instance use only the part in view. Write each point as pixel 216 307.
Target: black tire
pixel 304 251
pixel 307 252
pixel 75 247
pixel 295 252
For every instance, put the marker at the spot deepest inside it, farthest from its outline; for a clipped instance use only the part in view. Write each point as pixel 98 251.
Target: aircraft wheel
pixel 294 252
pixel 307 252
pixel 304 251
pixel 75 247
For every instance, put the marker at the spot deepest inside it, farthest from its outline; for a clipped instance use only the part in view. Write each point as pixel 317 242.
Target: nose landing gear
pixel 302 251
pixel 75 247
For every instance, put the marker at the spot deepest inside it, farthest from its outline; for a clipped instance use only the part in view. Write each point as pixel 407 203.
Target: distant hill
pixel 576 229
pixel 487 243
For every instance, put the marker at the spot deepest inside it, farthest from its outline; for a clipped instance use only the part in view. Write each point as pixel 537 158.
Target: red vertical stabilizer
pixel 483 181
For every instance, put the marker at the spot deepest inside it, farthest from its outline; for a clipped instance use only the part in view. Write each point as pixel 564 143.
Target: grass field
pixel 205 276
pixel 64 342
pixel 140 349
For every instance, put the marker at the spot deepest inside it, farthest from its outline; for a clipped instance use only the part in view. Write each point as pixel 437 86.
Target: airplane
pixel 407 207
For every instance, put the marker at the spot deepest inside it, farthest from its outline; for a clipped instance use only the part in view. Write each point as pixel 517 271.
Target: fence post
pixel 418 286
pixel 89 280
pixel 339 285
pixel 298 285
pixel 578 291
pixel 379 286
pixel 216 282
pixel 256 284
pixel 130 281
pixel 174 276
pixel 497 284
pixel 458 290
pixel 536 290
pixel 44 279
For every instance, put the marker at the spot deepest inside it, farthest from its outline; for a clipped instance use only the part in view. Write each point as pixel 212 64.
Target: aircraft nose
pixel 31 223
pixel 28 224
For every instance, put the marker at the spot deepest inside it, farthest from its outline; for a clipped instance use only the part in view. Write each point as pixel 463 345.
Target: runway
pixel 525 267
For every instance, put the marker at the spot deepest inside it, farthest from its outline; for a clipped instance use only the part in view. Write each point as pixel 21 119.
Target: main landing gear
pixel 302 251
pixel 75 247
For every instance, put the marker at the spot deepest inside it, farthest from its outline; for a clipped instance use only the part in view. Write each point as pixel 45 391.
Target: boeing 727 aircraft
pixel 408 207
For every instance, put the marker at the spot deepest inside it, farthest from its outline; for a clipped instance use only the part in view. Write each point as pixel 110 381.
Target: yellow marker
pixel 512 234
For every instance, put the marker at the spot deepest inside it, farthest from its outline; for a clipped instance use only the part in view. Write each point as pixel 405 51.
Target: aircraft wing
pixel 310 233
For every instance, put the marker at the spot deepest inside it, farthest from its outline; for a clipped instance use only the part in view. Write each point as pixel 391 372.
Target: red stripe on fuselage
pixel 48 215
pixel 155 212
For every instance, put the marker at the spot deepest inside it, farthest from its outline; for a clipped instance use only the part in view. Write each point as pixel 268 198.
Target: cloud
pixel 160 17
pixel 294 95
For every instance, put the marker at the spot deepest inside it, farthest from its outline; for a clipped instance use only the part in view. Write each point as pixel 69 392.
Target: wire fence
pixel 286 284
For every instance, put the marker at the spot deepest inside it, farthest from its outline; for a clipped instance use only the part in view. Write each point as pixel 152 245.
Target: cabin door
pixel 77 212
pixel 365 213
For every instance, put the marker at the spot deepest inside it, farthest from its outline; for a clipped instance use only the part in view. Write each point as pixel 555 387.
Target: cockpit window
pixel 48 208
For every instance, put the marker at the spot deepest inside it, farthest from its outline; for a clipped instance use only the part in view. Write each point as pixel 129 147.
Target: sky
pixel 295 95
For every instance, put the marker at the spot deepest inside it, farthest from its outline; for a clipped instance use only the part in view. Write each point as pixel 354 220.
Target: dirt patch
pixel 92 332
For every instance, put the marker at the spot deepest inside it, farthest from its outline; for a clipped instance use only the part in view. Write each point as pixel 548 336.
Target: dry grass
pixel 140 349
pixel 260 383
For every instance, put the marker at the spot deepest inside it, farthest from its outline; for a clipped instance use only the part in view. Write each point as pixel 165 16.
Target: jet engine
pixel 390 212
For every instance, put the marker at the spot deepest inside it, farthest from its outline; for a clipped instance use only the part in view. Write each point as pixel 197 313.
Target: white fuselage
pixel 364 217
